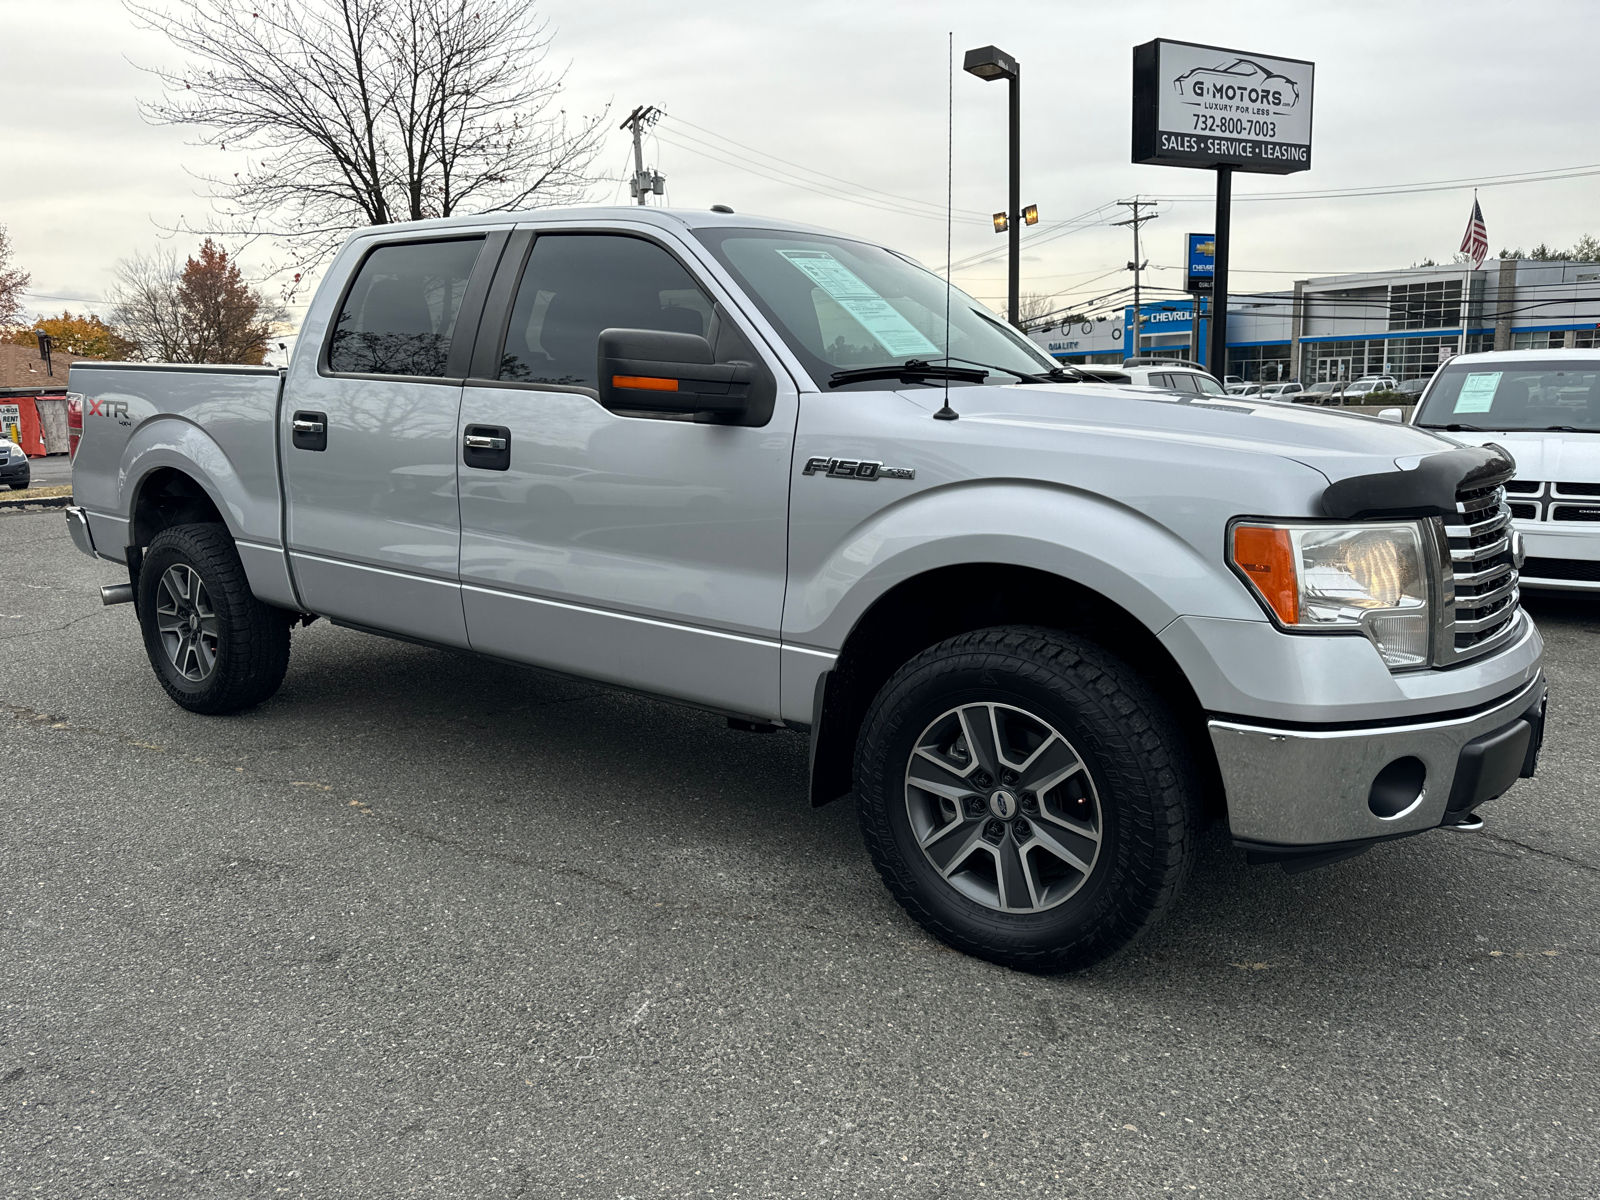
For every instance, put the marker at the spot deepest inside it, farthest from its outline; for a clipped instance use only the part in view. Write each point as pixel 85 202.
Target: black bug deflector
pixel 1428 490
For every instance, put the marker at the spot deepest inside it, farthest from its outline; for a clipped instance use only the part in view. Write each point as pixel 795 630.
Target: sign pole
pixel 1218 358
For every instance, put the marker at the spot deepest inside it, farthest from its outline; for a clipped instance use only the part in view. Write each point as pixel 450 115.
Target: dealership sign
pixel 1203 106
pixel 1202 262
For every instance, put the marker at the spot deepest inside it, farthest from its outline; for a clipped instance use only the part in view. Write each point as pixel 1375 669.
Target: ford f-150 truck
pixel 1040 627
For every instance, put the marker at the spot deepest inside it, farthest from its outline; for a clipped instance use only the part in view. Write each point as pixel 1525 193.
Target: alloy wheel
pixel 1003 807
pixel 187 623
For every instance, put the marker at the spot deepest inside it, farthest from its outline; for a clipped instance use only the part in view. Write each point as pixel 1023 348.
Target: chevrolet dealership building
pixel 1400 323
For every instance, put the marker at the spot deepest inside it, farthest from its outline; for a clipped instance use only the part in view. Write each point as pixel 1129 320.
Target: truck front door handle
pixel 308 426
pixel 478 442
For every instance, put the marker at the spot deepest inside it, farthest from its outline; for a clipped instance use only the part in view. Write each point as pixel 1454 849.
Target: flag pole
pixel 1466 286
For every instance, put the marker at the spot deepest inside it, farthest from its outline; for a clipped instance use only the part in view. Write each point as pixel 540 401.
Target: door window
pixel 399 316
pixel 577 284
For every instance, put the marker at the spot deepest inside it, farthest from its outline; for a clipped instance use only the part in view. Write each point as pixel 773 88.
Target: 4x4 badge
pixel 850 468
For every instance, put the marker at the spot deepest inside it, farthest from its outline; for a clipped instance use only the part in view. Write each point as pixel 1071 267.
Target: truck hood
pixel 1339 445
pixel 1551 457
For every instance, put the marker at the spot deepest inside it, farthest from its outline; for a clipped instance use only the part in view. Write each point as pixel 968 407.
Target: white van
pixel 1544 407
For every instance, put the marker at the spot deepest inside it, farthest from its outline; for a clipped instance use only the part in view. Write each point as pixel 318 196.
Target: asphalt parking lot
pixel 422 926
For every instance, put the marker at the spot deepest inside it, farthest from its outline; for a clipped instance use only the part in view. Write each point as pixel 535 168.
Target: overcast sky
pixel 1406 91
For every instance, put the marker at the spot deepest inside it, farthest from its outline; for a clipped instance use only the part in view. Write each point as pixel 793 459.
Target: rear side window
pixel 399 316
pixel 577 284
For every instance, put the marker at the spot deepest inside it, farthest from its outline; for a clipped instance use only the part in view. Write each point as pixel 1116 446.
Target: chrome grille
pixel 1478 536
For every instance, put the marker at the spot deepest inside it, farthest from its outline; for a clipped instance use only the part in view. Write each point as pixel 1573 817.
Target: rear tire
pixel 214 646
pixel 1026 797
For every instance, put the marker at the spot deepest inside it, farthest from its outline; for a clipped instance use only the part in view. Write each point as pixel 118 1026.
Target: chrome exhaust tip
pixel 116 593
pixel 1466 823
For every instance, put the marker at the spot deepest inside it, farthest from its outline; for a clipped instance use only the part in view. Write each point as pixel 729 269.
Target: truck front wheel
pixel 1026 797
pixel 214 646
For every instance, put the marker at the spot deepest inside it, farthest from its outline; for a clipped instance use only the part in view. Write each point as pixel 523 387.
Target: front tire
pixel 214 646
pixel 1026 797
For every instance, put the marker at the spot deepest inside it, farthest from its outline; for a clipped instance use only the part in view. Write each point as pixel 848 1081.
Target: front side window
pixel 399 316
pixel 842 305
pixel 577 284
pixel 1551 394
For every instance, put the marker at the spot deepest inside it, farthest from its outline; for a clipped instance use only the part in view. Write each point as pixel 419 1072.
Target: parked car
pixel 1318 393
pixel 1244 389
pixel 1281 391
pixel 1172 374
pixel 1037 626
pixel 1363 387
pixel 14 468
pixel 1544 407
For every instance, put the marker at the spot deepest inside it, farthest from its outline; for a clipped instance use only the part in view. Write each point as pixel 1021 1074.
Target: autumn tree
pixel 13 283
pixel 364 112
pixel 201 312
pixel 70 333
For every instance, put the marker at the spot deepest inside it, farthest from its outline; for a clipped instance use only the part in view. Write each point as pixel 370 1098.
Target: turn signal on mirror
pixel 646 383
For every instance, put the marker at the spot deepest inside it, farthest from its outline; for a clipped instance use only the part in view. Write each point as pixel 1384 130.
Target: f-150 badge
pixel 851 468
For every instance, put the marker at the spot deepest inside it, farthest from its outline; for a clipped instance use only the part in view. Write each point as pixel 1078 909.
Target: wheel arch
pixel 902 622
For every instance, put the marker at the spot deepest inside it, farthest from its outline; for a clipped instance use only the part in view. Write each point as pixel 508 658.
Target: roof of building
pixel 21 367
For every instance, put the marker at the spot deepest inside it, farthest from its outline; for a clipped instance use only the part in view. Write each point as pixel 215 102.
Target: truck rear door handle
pixel 486 447
pixel 309 431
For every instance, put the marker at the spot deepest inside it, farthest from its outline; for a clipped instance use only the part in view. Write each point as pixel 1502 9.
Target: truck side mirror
pixel 1391 414
pixel 652 370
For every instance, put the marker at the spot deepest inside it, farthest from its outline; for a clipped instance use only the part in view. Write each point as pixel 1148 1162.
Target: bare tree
pixel 1033 308
pixel 371 111
pixel 199 312
pixel 146 307
pixel 13 284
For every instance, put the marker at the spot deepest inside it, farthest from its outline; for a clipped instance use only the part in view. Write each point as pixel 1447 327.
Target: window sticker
pixel 1477 393
pixel 898 336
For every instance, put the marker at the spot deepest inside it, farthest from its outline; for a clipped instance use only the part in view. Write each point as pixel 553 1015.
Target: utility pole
pixel 644 183
pixel 1138 264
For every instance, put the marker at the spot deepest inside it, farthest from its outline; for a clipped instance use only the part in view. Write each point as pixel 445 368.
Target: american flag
pixel 1475 243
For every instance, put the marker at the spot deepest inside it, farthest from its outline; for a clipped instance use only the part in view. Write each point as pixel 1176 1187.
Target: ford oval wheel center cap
pixel 1003 804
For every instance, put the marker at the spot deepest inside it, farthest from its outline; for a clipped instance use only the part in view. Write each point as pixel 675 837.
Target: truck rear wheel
pixel 214 646
pixel 1026 797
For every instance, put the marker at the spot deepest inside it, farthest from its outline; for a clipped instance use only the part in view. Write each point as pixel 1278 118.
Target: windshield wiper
pixel 909 372
pixel 1557 429
pixel 1458 428
pixel 1053 375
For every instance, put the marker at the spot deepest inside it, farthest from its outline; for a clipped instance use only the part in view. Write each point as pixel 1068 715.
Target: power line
pixel 1406 189
pixel 860 187
pixel 788 179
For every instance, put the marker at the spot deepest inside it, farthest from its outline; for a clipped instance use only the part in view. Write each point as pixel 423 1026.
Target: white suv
pixel 1171 373
pixel 1544 407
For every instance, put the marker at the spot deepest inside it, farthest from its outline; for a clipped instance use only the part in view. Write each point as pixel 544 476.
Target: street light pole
pixel 1014 271
pixel 990 62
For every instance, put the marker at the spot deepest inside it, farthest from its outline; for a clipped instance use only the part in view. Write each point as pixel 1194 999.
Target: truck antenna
pixel 947 413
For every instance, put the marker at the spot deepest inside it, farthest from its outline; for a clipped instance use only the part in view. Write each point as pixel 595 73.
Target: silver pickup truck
pixel 1040 627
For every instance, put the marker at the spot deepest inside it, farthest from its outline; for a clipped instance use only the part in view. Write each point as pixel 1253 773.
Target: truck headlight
pixel 1371 578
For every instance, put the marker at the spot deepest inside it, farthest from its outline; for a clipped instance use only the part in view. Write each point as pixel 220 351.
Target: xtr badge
pixel 852 468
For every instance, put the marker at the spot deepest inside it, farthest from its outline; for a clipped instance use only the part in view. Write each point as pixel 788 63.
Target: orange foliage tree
pixel 70 333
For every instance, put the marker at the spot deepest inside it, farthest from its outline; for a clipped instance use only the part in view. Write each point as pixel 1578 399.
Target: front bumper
pixel 1304 787
pixel 16 472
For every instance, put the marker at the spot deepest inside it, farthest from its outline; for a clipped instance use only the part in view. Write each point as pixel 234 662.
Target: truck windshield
pixel 1551 394
pixel 842 305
